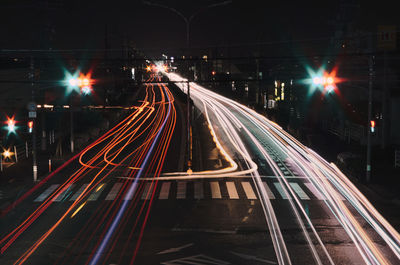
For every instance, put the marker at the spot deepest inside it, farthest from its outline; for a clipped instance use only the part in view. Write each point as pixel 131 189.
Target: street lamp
pixel 187 20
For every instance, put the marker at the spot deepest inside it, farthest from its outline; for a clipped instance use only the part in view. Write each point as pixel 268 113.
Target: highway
pixel 337 225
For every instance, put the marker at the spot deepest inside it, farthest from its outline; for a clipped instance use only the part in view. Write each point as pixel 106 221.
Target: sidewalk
pixel 384 189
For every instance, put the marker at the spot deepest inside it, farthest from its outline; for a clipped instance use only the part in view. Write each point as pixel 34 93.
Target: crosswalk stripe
pixel 249 191
pixel 198 190
pixel 79 192
pixel 96 193
pixel 181 190
pixel 299 191
pixel 46 193
pixel 271 196
pixel 215 190
pixel 280 190
pixel 314 191
pixel 113 192
pixel 232 190
pixel 145 193
pixel 61 196
pixel 182 186
pixel 164 192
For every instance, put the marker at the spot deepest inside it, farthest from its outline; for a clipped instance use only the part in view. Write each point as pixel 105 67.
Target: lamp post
pixel 187 20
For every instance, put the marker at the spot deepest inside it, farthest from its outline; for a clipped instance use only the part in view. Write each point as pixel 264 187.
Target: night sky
pixel 81 24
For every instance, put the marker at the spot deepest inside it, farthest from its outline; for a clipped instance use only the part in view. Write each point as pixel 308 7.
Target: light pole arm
pixel 167 7
pixel 187 20
pixel 208 7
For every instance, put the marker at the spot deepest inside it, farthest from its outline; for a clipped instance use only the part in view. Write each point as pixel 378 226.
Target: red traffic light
pixel 11 124
pixel 372 126
pixel 81 81
pixel 30 126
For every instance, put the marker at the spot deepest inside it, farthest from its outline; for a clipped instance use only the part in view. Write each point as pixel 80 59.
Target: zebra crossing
pixel 180 190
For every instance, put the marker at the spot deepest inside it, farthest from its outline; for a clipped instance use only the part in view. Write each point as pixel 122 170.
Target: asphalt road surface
pixel 276 201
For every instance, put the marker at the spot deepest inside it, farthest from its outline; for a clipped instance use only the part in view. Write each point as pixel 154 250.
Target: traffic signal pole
pixel 34 151
pixel 370 84
pixel 71 128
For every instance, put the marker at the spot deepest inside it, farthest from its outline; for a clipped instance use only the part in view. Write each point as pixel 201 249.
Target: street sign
pixel 387 38
pixel 31 106
pixel 32 114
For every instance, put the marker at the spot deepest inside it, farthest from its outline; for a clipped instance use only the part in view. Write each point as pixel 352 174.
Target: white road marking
pixel 61 196
pixel 270 194
pixel 145 194
pixel 232 190
pixel 46 193
pixel 215 191
pixel 113 192
pixel 96 193
pixel 196 260
pixel 255 258
pixel 79 192
pixel 249 191
pixel 164 192
pixel 198 190
pixel 172 250
pixel 280 190
pixel 299 191
pixel 181 190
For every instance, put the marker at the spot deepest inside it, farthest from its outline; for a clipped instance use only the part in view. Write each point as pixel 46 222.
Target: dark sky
pixel 81 24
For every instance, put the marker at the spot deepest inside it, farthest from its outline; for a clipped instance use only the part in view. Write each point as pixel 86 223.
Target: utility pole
pixel 34 151
pixel 385 94
pixel 189 130
pixel 370 84
pixel 71 111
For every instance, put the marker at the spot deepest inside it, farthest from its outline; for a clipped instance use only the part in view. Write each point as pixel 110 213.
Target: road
pixel 121 202
pixel 62 219
pixel 312 213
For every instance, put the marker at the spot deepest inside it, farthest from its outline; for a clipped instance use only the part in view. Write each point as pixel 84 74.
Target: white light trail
pixel 235 121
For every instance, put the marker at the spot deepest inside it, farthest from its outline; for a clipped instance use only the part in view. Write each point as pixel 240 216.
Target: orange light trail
pixel 139 129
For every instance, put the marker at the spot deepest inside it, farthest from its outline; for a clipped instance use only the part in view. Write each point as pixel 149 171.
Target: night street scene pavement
pixel 204 132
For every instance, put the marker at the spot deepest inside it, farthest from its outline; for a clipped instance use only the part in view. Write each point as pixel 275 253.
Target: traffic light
pixel 80 82
pixel 86 90
pixel 323 80
pixel 30 126
pixel 11 125
pixel 372 126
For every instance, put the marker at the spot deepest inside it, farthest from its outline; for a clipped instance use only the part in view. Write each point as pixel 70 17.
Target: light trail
pixel 139 142
pixel 241 124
